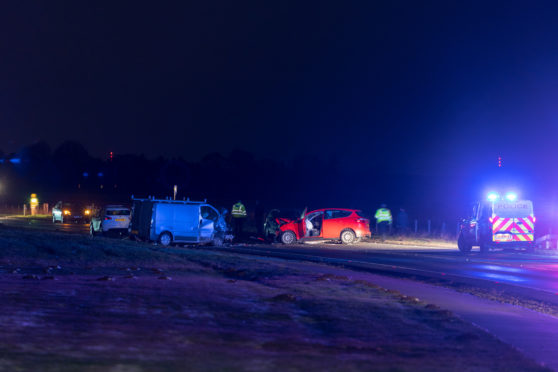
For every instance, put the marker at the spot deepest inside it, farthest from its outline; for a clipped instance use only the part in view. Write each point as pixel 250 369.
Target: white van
pixel 177 221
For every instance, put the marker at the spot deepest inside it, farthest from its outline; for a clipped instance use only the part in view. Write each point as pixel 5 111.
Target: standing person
pixel 402 222
pixel 238 215
pixel 383 220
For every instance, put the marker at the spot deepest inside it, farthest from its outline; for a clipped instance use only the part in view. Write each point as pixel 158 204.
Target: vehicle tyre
pixel 463 245
pixel 348 236
pixel 288 237
pixel 165 238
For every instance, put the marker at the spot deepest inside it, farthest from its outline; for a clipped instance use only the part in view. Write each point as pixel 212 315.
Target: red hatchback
pixel 347 225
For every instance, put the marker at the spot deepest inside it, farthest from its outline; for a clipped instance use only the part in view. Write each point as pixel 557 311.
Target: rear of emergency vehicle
pixel 512 223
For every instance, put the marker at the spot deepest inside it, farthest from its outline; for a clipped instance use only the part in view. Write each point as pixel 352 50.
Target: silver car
pixel 112 218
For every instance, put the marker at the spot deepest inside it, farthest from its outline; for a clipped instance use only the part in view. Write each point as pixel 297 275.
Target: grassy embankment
pixel 71 303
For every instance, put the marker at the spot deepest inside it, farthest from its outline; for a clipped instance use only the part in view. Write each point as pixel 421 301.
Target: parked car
pixel 346 225
pixel 110 219
pixel 173 221
pixel 71 212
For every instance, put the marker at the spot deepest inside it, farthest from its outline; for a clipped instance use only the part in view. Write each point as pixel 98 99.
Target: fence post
pixel 24 209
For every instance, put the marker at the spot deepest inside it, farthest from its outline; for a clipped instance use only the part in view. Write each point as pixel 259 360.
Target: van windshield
pixel 520 209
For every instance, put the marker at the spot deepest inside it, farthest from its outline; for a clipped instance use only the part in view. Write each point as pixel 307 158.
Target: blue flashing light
pixel 493 196
pixel 511 196
pixel 85 174
pixel 100 174
pixel 15 160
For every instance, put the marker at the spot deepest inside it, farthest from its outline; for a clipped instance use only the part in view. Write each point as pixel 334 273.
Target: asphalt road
pixel 519 273
pixel 44 224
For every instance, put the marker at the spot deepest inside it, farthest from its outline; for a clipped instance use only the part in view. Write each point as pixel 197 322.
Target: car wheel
pixel 165 238
pixel 288 237
pixel 463 245
pixel 348 236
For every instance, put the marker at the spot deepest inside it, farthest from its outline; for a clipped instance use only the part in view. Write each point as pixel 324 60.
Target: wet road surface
pixel 534 272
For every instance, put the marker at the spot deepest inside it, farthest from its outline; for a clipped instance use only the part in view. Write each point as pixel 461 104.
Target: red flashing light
pixel 107 218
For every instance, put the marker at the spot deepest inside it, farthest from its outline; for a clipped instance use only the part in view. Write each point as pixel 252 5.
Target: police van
pixel 499 223
pixel 169 221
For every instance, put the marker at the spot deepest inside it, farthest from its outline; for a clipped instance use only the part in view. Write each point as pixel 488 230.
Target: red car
pixel 347 225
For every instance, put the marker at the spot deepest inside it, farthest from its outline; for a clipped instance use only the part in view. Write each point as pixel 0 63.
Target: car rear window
pixel 118 212
pixel 336 214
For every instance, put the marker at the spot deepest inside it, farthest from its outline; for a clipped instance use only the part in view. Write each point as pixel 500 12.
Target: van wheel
pixel 288 237
pixel 165 239
pixel 463 245
pixel 348 236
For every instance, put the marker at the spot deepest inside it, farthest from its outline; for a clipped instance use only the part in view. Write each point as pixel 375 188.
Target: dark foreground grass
pixel 71 303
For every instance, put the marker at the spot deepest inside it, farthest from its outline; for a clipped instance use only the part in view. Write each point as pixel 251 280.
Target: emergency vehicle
pixel 499 222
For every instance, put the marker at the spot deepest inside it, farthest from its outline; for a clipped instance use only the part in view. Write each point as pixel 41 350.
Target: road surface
pixel 44 224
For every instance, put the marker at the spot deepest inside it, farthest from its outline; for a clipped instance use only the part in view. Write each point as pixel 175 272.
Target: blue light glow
pixel 15 160
pixel 493 196
pixel 511 196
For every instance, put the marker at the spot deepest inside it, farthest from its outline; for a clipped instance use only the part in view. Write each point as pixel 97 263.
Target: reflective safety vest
pixel 383 215
pixel 238 210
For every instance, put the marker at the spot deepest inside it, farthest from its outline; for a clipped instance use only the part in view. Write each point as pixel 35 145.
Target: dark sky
pixel 417 85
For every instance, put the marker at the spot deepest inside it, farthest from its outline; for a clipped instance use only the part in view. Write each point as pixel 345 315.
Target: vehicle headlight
pixel 87 211
pixel 66 212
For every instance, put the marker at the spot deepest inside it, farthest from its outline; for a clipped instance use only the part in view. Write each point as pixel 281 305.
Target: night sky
pixel 418 86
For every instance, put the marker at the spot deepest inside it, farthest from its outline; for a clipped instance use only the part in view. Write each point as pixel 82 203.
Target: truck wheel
pixel 348 236
pixel 288 237
pixel 165 238
pixel 463 245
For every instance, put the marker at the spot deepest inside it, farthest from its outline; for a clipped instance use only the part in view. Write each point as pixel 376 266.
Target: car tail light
pixel 362 220
pixel 107 218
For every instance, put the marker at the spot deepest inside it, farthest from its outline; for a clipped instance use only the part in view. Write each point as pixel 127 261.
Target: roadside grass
pixel 72 303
